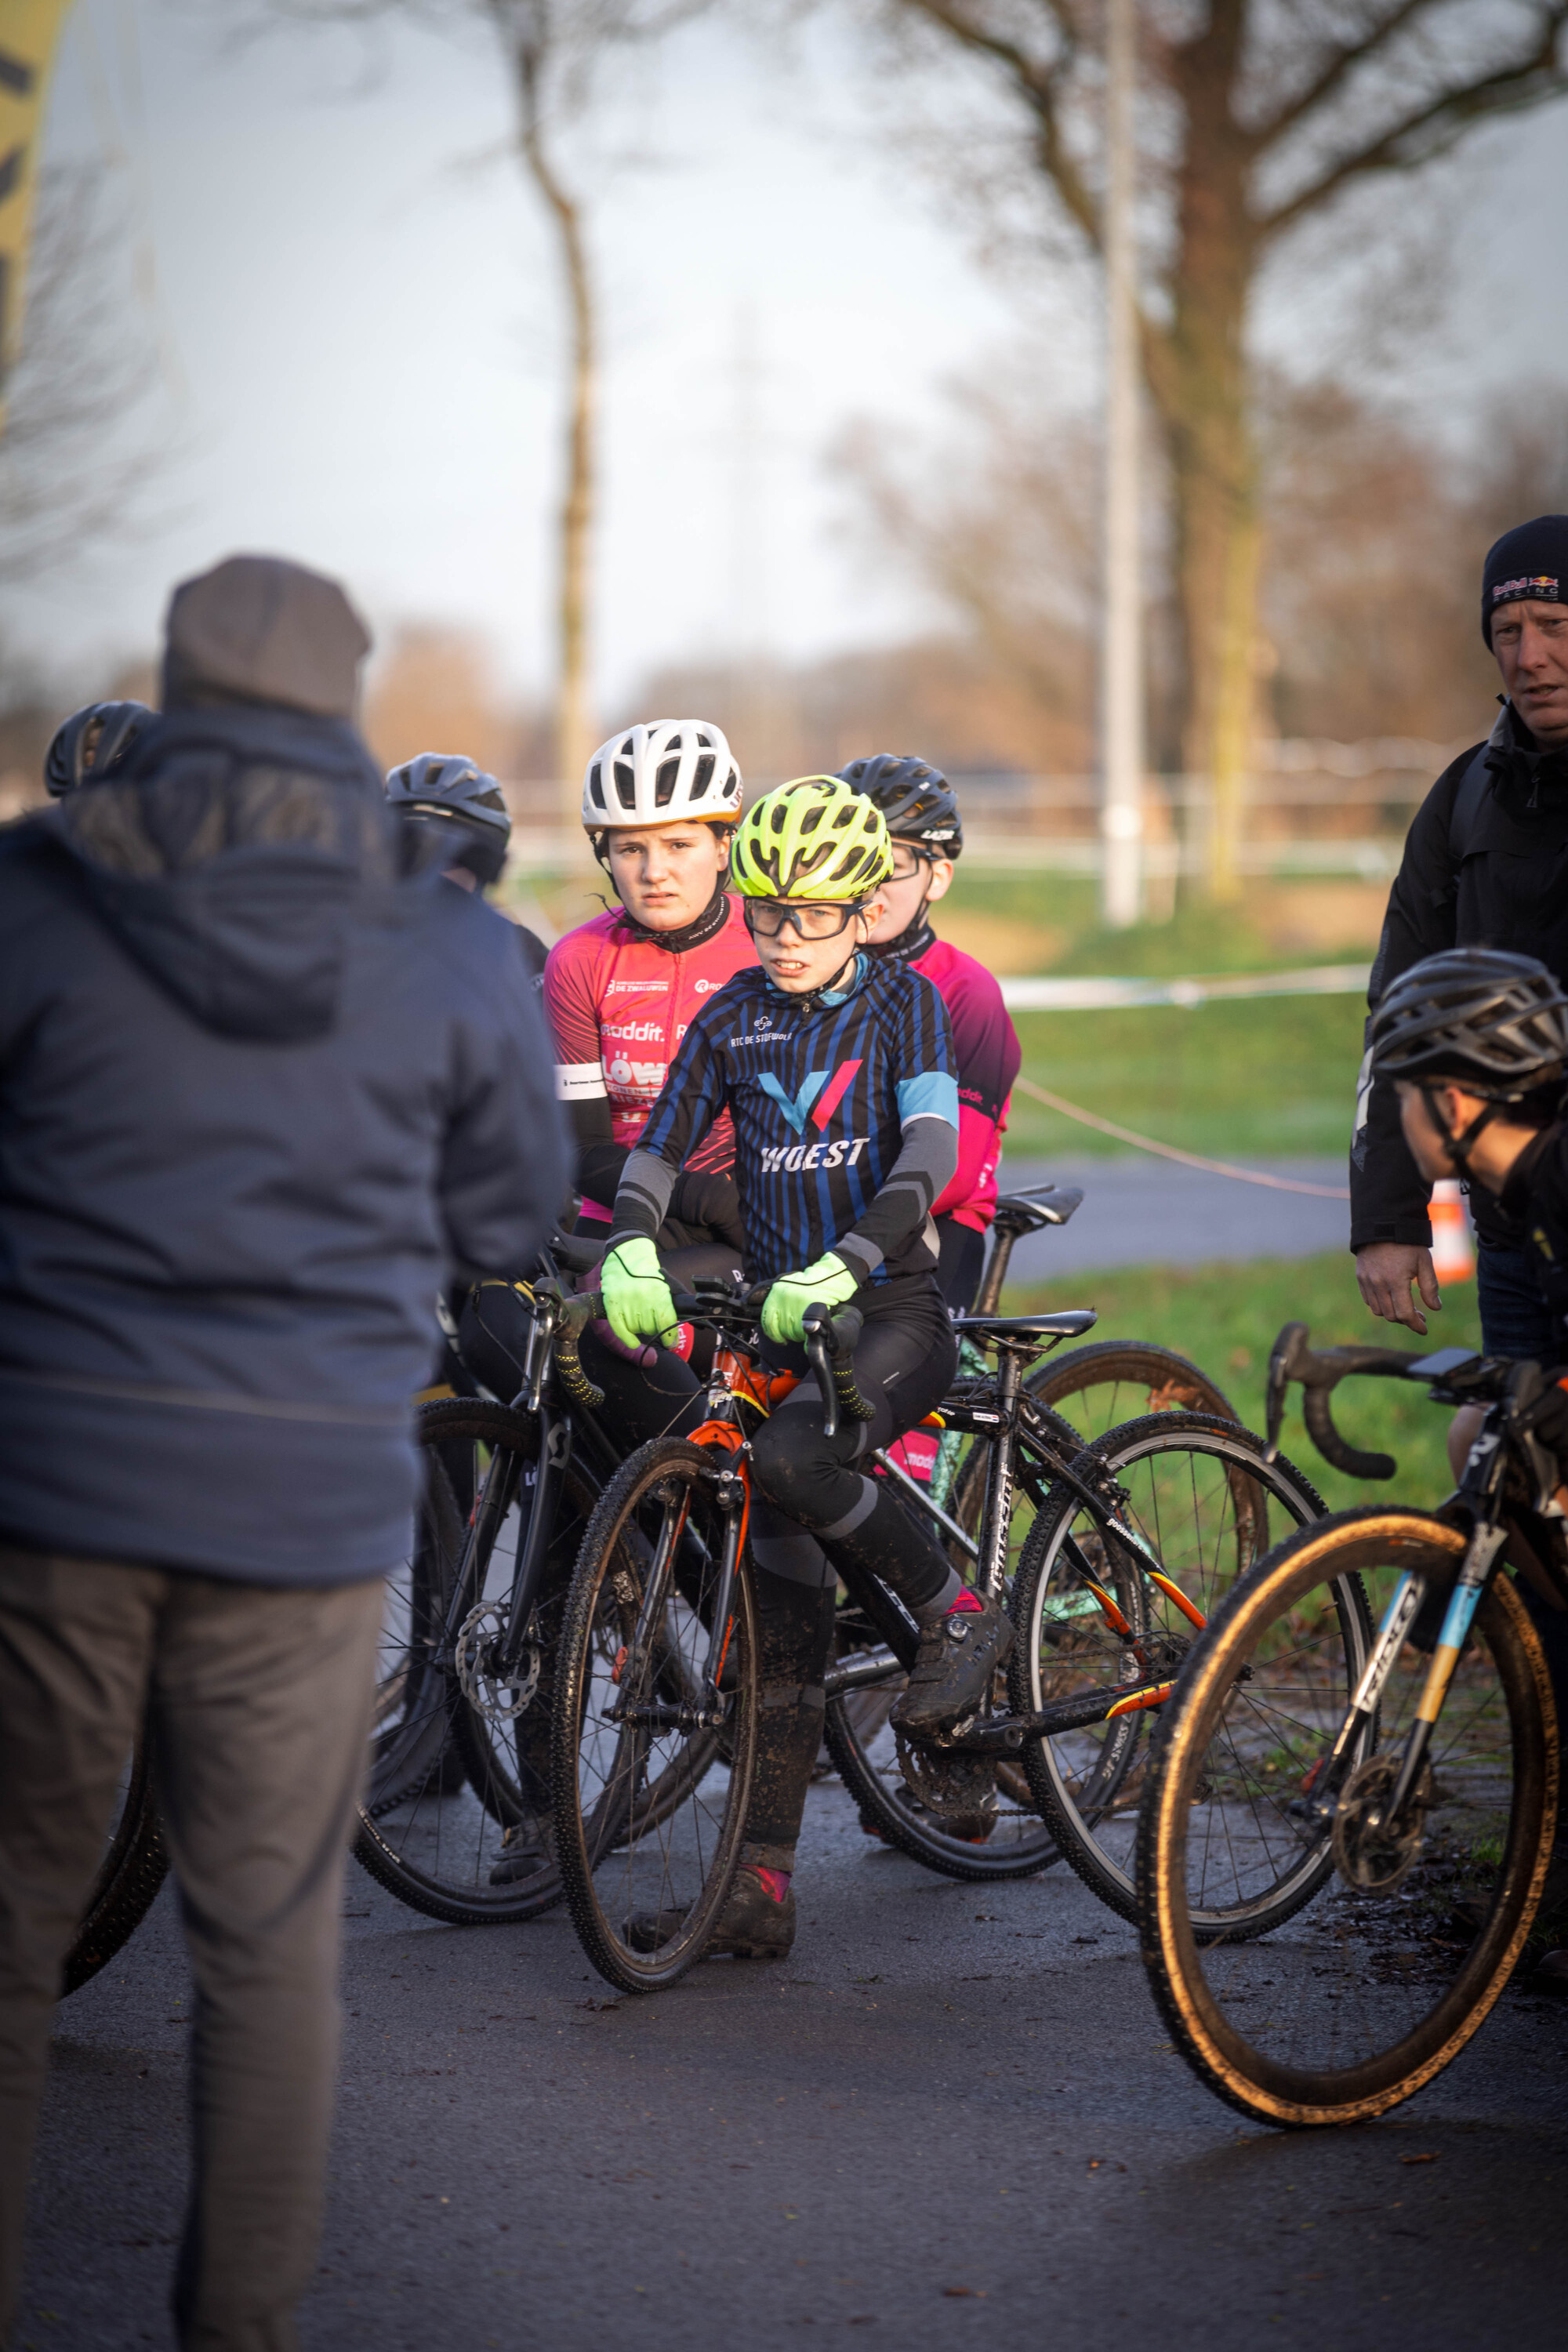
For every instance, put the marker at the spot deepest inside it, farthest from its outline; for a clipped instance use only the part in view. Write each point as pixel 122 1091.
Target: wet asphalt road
pixel 951 2118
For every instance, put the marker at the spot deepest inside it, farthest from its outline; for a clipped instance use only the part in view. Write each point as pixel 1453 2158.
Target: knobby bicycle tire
pixel 442 1793
pixel 1264 2085
pixel 655 1834
pixel 1206 1531
pixel 133 1868
pixel 1167 1383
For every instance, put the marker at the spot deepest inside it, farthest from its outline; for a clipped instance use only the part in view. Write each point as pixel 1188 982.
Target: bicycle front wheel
pixel 1199 1492
pixel 456 1818
pixel 651 1799
pixel 1367 1986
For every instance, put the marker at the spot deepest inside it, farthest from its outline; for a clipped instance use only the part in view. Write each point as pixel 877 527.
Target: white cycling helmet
pixel 655 776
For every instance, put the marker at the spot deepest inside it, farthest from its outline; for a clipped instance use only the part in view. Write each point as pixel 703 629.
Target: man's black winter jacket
pixel 1485 865
pixel 262 1093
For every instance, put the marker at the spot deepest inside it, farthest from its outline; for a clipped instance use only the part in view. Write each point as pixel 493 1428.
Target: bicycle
pixel 1364 1737
pixel 458 1781
pixel 656 1697
pixel 1080 1394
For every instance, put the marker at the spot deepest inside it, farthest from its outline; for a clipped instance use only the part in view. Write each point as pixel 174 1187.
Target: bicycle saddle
pixel 1048 1204
pixel 1016 1330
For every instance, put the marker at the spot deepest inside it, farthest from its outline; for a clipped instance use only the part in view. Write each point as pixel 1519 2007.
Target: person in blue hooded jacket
pixel 267 1082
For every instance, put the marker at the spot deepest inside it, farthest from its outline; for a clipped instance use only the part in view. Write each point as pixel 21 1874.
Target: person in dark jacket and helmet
pixel 460 817
pixel 264 1086
pixel 1485 865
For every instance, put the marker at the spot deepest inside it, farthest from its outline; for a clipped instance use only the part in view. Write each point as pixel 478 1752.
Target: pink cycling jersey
pixel 986 1050
pixel 619 1006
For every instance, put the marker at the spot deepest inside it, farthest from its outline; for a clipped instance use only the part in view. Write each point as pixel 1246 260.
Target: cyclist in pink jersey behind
pixel 660 803
pixel 921 814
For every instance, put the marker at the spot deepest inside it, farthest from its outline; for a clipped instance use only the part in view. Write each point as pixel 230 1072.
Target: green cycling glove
pixel 637 1304
pixel 829 1283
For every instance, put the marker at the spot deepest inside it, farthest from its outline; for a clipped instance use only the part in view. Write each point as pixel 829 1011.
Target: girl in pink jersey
pixel 921 814
pixel 660 803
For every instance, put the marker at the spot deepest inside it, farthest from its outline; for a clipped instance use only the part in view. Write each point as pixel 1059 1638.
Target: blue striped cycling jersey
pixel 846 1114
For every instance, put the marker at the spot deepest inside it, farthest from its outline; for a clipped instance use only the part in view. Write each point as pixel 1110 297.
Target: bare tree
pixel 553 52
pixel 81 444
pixel 1256 119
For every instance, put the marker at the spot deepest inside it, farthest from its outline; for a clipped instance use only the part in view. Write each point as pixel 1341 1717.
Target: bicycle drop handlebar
pixel 1321 1370
pixel 831 1341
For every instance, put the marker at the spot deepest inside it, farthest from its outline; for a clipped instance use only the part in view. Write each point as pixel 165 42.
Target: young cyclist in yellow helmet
pixel 837 1073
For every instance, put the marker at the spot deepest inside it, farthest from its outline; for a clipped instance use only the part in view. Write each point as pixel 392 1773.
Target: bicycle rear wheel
pixel 1199 1492
pixel 651 1806
pixel 1363 1991
pixel 1002 1835
pixel 450 1777
pixel 135 1866
pixel 1086 1391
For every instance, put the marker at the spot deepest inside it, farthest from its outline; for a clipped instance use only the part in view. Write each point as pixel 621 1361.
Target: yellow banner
pixel 29 30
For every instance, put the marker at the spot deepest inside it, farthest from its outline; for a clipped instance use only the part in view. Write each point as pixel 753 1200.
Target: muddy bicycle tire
pixel 1353 1975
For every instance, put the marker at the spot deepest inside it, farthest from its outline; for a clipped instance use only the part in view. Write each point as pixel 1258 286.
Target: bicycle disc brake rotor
pixel 961 1791
pixel 498 1696
pixel 1375 1856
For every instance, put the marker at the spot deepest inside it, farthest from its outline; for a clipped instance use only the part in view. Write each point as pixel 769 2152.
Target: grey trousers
pixel 260 1704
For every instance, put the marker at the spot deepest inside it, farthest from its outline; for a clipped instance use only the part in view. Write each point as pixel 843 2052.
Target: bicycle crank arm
pixel 859 1669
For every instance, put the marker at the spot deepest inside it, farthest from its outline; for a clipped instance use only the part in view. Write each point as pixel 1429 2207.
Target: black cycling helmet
pixel 90 741
pixel 916 800
pixel 441 789
pixel 1496 1025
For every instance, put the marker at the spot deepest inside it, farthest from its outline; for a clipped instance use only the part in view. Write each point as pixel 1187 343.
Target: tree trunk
pixel 574 734
pixel 1203 395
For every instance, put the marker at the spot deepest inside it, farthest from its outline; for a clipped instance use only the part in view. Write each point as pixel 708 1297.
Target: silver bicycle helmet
pixel 1495 1023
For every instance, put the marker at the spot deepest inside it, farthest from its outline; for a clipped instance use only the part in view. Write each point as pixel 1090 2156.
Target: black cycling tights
pixel 814 1509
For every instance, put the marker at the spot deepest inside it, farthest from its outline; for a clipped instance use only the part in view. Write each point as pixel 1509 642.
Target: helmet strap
pixel 1460 1141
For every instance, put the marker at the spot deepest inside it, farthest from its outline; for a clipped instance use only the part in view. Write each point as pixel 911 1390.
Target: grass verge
pixel 1225 1318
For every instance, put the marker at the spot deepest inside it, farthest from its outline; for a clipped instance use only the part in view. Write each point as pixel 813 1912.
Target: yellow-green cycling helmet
pixel 814 838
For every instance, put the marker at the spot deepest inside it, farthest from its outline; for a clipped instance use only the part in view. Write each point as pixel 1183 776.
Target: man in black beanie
pixel 1485 865
pixel 267 1083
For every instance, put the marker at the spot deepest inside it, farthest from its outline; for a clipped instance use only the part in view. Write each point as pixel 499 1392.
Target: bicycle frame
pixel 1455 1377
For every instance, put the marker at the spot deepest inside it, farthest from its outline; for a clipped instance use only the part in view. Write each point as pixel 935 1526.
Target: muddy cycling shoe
pixel 958 1655
pixel 752 1925
pixel 1549 1976
pixel 525 1852
pixel 1470 1914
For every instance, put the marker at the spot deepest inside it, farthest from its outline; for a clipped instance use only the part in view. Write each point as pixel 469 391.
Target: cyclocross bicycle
pixel 1354 1797
pixel 656 1692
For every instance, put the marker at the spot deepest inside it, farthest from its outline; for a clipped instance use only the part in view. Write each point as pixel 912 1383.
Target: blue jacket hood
pixel 232 856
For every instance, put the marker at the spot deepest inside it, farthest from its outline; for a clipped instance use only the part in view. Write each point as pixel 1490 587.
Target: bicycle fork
pixel 1475 1574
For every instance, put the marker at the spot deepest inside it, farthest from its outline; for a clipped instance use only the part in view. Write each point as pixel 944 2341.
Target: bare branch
pixel 1340 67
pixel 1433 128
pixel 1038 85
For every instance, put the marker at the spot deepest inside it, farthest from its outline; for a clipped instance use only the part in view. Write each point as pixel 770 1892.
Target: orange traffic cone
pixel 1453 1251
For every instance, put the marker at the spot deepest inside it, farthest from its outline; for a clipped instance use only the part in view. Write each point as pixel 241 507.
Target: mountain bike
pixel 656 1695
pixel 1361 1750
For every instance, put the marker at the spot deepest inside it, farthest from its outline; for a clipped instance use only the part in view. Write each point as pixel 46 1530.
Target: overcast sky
pixel 357 310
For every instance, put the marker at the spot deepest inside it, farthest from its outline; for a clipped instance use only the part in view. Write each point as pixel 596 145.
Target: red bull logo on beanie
pixel 1540 583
